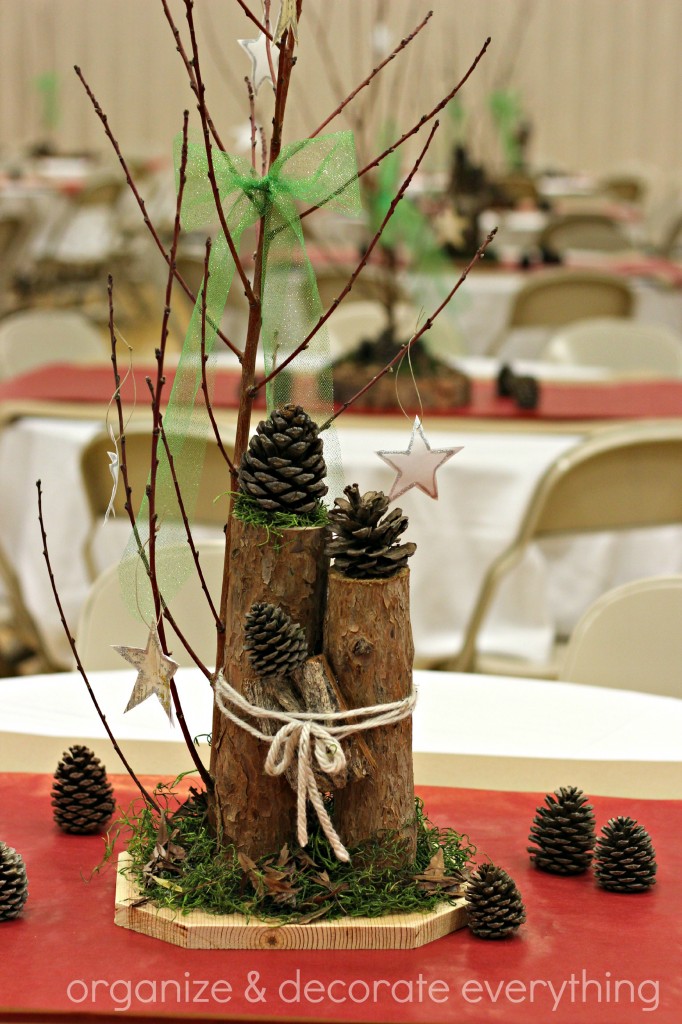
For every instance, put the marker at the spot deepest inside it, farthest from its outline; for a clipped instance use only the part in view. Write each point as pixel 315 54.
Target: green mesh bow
pixel 316 172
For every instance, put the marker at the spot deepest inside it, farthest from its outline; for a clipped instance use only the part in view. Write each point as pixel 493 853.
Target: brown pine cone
pixel 365 542
pixel 82 797
pixel 13 883
pixel 276 645
pixel 624 857
pixel 494 903
pixel 563 832
pixel 283 468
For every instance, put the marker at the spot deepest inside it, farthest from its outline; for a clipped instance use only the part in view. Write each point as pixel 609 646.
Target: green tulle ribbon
pixel 505 107
pixel 315 172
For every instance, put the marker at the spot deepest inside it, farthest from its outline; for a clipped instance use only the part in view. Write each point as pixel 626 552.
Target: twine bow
pixel 302 734
pixel 318 172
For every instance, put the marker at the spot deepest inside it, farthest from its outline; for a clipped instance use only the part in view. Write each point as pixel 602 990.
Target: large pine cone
pixel 82 797
pixel 365 545
pixel 13 883
pixel 275 643
pixel 564 833
pixel 624 857
pixel 283 468
pixel 494 904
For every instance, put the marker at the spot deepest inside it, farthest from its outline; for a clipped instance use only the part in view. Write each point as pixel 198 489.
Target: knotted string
pixel 303 734
pixel 319 171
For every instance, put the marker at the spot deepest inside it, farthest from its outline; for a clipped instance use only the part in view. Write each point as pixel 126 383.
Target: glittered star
pixel 260 65
pixel 287 19
pixel 155 671
pixel 417 466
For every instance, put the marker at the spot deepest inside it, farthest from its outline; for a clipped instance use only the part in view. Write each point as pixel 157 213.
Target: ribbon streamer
pixel 316 172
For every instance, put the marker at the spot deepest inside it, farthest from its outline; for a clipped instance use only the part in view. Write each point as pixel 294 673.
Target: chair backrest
pixel 33 338
pixel 107 619
pixel 554 298
pixel 354 322
pixel 622 478
pixel 625 346
pixel 591 231
pixel 214 483
pixel 630 639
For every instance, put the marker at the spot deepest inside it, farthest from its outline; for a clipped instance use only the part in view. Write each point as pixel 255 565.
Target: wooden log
pixel 368 641
pixel 253 811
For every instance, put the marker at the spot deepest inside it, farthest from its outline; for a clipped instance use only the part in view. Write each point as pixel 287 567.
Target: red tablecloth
pixel 584 956
pixel 618 400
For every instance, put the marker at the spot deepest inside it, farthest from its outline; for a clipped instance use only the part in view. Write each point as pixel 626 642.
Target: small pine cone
pixel 275 643
pixel 82 797
pixel 283 468
pixel 563 832
pixel 494 903
pixel 13 883
pixel 624 858
pixel 365 539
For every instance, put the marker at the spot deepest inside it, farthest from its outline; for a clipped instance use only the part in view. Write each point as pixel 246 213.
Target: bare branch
pixel 401 46
pixel 140 202
pixel 72 644
pixel 423 329
pixel 351 281
pixel 204 360
pixel 252 122
pixel 424 119
pixel 252 17
pixel 248 290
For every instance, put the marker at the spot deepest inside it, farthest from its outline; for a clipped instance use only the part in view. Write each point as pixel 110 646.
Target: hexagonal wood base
pixel 199 930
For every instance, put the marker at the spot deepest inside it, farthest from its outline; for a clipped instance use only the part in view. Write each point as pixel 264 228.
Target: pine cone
pixel 494 903
pixel 275 643
pixel 82 797
pixel 625 860
pixel 283 468
pixel 365 545
pixel 13 883
pixel 564 833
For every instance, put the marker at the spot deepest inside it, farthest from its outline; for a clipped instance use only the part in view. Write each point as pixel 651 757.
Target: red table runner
pixel 584 956
pixel 614 400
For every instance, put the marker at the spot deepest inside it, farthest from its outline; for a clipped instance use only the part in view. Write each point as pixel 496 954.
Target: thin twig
pixel 401 46
pixel 72 643
pixel 189 67
pixel 423 329
pixel 351 281
pixel 252 122
pixel 252 17
pixel 424 119
pixel 204 360
pixel 140 202
pixel 183 512
pixel 210 168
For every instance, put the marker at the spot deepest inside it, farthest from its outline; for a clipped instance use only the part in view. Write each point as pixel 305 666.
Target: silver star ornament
pixel 260 66
pixel 417 466
pixel 155 671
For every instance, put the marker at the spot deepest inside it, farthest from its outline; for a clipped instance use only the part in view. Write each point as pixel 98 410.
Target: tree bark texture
pixel 368 642
pixel 253 811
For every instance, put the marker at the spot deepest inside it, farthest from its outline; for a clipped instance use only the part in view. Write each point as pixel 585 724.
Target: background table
pixel 477 731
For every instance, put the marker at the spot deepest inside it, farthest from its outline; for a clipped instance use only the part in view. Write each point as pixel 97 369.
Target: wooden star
pixel 260 65
pixel 287 19
pixel 417 466
pixel 155 671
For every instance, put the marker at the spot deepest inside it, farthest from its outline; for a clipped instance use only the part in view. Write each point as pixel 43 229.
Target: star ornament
pixel 260 66
pixel 155 671
pixel 287 19
pixel 417 466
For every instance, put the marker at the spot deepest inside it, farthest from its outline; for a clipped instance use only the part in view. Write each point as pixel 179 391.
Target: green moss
pixel 296 885
pixel 247 509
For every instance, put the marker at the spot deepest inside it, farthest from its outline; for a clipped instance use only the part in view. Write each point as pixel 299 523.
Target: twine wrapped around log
pixel 303 734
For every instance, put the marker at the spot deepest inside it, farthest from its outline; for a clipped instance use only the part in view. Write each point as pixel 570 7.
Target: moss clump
pixel 247 509
pixel 290 886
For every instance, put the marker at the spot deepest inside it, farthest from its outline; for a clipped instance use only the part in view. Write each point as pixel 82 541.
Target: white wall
pixel 600 79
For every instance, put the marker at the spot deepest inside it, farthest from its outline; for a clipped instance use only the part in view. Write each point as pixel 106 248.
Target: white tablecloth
pixel 483 492
pixel 474 731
